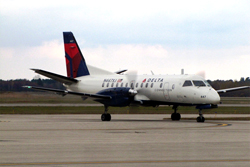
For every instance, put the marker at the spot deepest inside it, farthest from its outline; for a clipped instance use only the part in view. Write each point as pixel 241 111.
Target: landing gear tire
pixel 106 117
pixel 175 116
pixel 200 119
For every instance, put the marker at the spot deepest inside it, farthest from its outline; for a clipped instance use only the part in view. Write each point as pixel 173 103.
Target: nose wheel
pixel 200 118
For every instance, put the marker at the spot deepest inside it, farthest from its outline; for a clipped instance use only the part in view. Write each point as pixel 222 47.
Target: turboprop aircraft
pixel 119 90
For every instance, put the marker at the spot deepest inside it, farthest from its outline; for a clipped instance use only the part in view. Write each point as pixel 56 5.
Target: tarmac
pixel 127 140
pixel 84 104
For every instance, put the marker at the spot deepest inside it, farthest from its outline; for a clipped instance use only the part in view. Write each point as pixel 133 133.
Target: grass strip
pixel 118 110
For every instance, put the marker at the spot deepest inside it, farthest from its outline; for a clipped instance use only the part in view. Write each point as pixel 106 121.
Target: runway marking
pixel 122 162
pixel 217 125
pixel 220 125
pixel 4 121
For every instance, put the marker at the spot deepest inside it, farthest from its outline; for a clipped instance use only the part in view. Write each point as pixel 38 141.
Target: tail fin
pixel 75 63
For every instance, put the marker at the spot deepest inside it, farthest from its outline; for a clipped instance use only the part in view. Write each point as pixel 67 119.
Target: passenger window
pixel 146 85
pixel 132 85
pixel 103 84
pixel 161 85
pixel 112 85
pixel 141 85
pixel 136 85
pixel 126 85
pixel 152 84
pixel 117 84
pixel 107 84
pixel 122 84
pixel 187 83
pixel 199 83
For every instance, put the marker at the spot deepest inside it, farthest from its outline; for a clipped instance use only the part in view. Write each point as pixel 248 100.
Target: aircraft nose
pixel 214 97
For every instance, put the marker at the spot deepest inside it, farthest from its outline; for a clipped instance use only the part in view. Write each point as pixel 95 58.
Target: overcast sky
pixel 162 36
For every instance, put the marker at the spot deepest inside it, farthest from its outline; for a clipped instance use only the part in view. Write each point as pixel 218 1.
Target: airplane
pixel 117 89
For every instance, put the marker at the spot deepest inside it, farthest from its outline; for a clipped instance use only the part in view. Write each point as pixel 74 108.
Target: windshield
pixel 187 83
pixel 207 83
pixel 199 83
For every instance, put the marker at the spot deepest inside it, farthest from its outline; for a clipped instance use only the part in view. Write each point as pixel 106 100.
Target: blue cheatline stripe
pixel 71 64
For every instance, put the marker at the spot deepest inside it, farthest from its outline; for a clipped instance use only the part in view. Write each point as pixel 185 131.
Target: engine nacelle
pixel 120 96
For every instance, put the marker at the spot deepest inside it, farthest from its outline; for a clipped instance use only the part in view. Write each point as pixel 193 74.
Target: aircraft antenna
pixel 182 71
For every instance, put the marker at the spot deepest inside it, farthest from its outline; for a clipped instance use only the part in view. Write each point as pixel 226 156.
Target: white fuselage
pixel 161 88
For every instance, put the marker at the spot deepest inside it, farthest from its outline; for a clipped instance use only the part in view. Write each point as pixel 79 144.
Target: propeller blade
pixel 201 73
pixel 132 77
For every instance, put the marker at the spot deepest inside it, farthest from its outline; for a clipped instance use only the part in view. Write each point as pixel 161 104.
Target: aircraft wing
pixel 232 89
pixel 56 77
pixel 65 92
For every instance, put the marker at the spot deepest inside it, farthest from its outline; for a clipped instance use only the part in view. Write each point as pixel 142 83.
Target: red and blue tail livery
pixel 75 63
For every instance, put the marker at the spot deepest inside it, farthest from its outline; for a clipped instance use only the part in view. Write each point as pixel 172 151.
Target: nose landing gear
pixel 200 118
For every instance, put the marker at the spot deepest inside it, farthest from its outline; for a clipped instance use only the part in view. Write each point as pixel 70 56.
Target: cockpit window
pixel 207 83
pixel 187 83
pixel 199 83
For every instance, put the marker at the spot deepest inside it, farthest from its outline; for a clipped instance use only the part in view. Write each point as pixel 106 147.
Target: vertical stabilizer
pixel 75 63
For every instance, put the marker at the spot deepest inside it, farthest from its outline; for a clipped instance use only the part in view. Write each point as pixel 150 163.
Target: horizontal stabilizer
pixel 121 71
pixel 232 89
pixel 56 77
pixel 65 92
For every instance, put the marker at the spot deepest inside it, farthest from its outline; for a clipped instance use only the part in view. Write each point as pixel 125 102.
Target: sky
pixel 209 37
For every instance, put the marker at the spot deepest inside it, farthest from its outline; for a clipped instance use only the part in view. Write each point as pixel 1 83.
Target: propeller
pixel 202 74
pixel 132 78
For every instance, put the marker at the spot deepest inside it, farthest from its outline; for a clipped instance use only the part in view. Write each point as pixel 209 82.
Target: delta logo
pixel 152 80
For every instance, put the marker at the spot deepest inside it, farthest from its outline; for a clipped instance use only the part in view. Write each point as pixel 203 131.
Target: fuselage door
pixel 166 91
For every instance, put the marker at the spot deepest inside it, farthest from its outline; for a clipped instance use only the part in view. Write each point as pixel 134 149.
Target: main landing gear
pixel 200 118
pixel 175 116
pixel 106 116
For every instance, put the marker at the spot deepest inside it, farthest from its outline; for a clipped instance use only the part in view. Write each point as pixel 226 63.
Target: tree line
pixel 16 85
pixel 223 84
